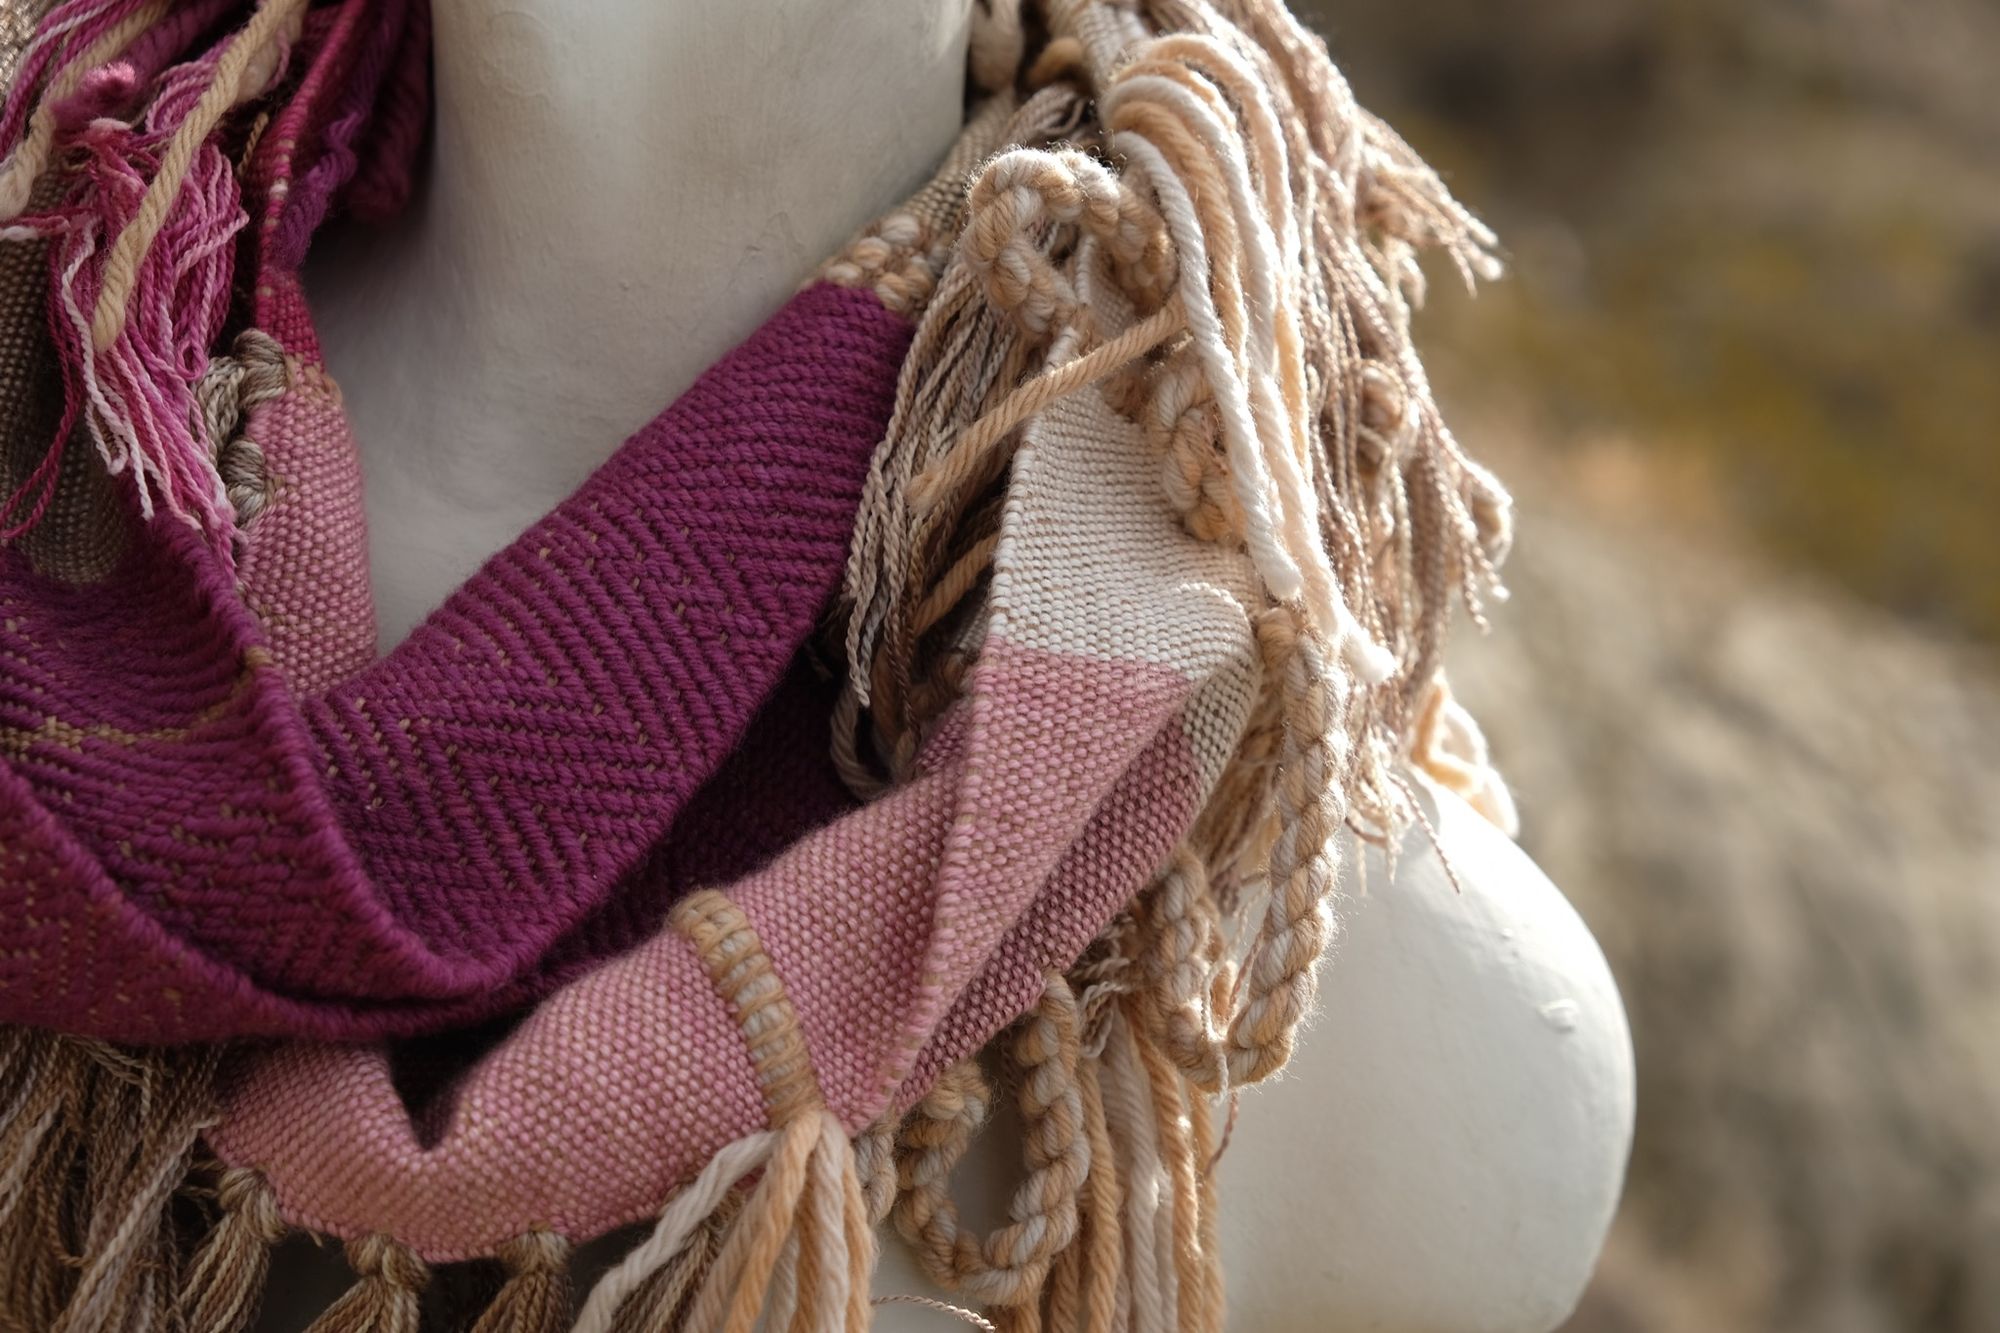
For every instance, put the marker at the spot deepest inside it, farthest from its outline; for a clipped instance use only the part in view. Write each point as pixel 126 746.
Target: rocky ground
pixel 1764 239
pixel 1775 807
pixel 1742 379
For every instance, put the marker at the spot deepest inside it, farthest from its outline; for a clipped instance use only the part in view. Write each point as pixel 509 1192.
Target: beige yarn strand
pixel 971 449
pixel 1008 1267
pixel 128 252
pixel 1279 977
pixel 734 1292
pixel 536 1295
pixel 225 1284
pixel 675 1233
pixel 1180 1151
pixel 387 1297
pixel 1104 1257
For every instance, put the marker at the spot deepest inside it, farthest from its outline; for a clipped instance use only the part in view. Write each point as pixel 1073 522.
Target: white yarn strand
pixel 1248 475
pixel 690 1208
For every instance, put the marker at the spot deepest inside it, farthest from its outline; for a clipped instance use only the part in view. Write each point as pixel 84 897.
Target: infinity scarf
pixel 969 674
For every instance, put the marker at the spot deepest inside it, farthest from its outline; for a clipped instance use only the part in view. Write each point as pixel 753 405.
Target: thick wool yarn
pixel 564 915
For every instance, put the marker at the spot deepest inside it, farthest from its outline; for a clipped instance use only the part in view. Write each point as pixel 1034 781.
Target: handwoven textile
pixel 1115 679
pixel 969 676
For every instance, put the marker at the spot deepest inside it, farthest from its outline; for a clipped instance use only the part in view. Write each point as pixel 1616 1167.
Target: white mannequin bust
pixel 1448 1147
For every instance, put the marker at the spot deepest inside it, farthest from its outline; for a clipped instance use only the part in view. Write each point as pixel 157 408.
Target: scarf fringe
pixel 536 1295
pixel 907 573
pixel 1117 1072
pixel 797 1247
pixel 225 1282
pixel 96 1146
pixel 1115 1216
pixel 1242 286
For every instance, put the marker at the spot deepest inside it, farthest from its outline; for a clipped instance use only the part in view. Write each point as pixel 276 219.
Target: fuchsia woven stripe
pixel 411 847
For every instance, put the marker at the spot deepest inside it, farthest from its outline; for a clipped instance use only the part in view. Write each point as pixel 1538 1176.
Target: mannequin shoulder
pixel 1447 1148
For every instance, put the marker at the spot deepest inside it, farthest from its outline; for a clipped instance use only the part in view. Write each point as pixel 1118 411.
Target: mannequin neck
pixel 618 194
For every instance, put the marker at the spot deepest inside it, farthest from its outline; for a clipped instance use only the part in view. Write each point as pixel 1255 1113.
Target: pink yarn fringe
pixel 136 397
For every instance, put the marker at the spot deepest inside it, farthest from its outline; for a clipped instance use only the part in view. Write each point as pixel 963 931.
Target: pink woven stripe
pixel 306 574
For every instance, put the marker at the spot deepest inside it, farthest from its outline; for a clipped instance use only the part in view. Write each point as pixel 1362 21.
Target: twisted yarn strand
pixel 536 1296
pixel 659 1304
pixel 1104 1259
pixel 736 1288
pixel 1171 124
pixel 1145 1294
pixel 971 449
pixel 1279 979
pixel 1008 1267
pixel 228 86
pixel 225 1284
pixel 679 1223
pixel 1183 960
pixel 388 1295
pixel 802 1238
pixel 1180 1150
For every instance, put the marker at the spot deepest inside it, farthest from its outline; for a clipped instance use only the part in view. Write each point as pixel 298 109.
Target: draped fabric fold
pixel 425 841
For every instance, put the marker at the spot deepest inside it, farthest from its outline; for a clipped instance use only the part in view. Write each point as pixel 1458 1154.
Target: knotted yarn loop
pixel 1027 187
pixel 387 1296
pixel 379 1257
pixel 535 1297
pixel 1182 420
pixel 225 1283
pixel 1008 1267
pixel 254 372
pixel 746 980
pixel 809 1202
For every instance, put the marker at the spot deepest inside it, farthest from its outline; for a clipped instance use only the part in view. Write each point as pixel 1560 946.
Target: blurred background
pixel 1744 376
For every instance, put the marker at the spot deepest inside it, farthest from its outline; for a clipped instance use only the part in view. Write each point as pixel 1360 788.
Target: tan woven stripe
pixel 745 978
pixel 52 730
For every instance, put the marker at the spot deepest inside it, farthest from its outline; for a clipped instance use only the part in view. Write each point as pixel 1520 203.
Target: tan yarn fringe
pixel 1200 987
pixel 1113 1224
pixel 95 1144
pixel 1408 521
pixel 225 1282
pixel 387 1298
pixel 1008 1267
pixel 536 1295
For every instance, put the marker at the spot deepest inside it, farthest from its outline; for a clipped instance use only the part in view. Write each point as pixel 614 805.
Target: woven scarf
pixel 965 680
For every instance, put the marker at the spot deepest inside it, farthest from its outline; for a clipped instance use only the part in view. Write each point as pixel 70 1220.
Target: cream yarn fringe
pixel 1241 284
